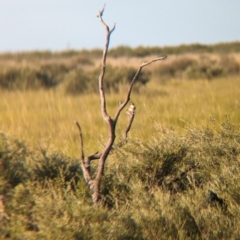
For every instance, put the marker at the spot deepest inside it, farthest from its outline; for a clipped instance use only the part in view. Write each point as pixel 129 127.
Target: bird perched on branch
pixel 131 109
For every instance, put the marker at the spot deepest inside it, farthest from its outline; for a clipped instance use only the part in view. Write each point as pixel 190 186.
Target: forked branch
pixel 94 183
pixel 127 99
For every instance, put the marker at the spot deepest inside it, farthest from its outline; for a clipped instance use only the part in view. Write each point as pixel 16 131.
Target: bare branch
pixel 131 113
pixel 101 76
pixel 100 13
pixel 86 168
pixel 154 60
pixel 88 160
pixel 86 171
pixel 122 106
pixel 81 142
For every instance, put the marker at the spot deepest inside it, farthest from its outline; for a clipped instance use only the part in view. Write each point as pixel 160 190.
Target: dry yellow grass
pixel 47 117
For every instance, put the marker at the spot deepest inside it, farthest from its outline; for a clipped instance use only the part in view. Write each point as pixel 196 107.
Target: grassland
pixel 177 178
pixel 48 116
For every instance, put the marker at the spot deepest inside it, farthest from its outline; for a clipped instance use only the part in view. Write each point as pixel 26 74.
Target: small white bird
pixel 131 109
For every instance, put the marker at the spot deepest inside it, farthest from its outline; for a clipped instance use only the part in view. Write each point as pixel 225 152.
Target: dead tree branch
pixel 85 168
pixel 104 59
pixel 127 99
pixel 131 113
pixel 94 183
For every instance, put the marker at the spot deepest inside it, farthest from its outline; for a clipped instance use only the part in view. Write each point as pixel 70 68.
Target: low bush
pixel 45 70
pixel 25 78
pixel 51 75
pixel 209 69
pixel 174 68
pixel 79 81
pixel 115 77
pixel 172 187
pixel 203 67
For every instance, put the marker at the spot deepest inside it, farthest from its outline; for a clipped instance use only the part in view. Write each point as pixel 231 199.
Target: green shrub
pixel 51 75
pixel 84 60
pixel 15 78
pixel 210 69
pixel 203 68
pixel 151 190
pixel 230 65
pixel 115 77
pixel 20 165
pixel 175 68
pixel 121 51
pixel 203 71
pixel 25 78
pixel 80 81
pixel 14 156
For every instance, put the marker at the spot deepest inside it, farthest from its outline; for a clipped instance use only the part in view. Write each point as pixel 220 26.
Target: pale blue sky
pixel 60 24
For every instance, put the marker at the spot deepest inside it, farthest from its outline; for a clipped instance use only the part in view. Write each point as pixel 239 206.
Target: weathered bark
pixel 94 183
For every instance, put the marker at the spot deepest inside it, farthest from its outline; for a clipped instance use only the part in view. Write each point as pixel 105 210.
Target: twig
pixel 85 169
pixel 127 99
pixel 131 113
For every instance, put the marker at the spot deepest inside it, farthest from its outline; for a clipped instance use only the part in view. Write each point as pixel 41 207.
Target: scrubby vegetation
pixel 34 70
pixel 79 81
pixel 170 187
pixel 204 67
pixel 176 178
